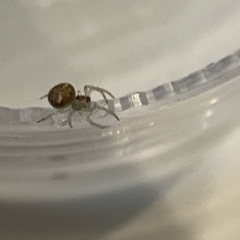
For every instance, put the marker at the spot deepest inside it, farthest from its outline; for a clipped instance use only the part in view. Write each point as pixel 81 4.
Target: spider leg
pixel 43 96
pixel 96 106
pixel 88 89
pixel 70 118
pixel 52 114
pixel 94 124
pixel 47 117
pixel 108 111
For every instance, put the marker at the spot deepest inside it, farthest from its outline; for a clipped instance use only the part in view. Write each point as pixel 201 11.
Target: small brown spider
pixel 63 97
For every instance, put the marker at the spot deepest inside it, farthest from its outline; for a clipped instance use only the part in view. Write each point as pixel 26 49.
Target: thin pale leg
pixel 94 124
pixel 52 114
pixel 96 106
pixel 107 110
pixel 47 117
pixel 70 118
pixel 44 96
pixel 88 89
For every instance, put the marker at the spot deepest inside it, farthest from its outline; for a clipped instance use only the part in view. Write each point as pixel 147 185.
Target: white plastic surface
pixel 168 173
pixel 169 169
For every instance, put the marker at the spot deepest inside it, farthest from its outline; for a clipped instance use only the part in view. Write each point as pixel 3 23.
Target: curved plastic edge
pixel 196 83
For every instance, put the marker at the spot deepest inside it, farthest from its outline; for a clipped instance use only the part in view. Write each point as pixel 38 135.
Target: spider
pixel 63 98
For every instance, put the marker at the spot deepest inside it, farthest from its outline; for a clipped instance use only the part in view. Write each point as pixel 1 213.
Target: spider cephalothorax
pixel 63 98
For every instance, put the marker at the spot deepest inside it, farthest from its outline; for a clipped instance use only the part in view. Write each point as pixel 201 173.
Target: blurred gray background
pixel 165 173
pixel 123 46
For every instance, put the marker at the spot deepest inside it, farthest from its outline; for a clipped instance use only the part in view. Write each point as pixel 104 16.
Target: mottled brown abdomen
pixel 61 95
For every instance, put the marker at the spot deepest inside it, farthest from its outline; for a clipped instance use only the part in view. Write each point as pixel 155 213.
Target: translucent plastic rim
pixel 194 84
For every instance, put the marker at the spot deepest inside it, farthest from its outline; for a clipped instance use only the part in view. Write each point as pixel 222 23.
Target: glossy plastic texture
pixel 156 174
pixel 169 169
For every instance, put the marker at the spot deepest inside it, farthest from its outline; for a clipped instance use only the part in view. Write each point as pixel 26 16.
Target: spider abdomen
pixel 61 95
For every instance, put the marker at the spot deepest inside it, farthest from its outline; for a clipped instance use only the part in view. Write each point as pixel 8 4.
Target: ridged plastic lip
pixel 50 161
pixel 194 84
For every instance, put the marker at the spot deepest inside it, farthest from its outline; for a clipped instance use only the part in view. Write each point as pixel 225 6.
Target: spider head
pixel 83 98
pixel 80 102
